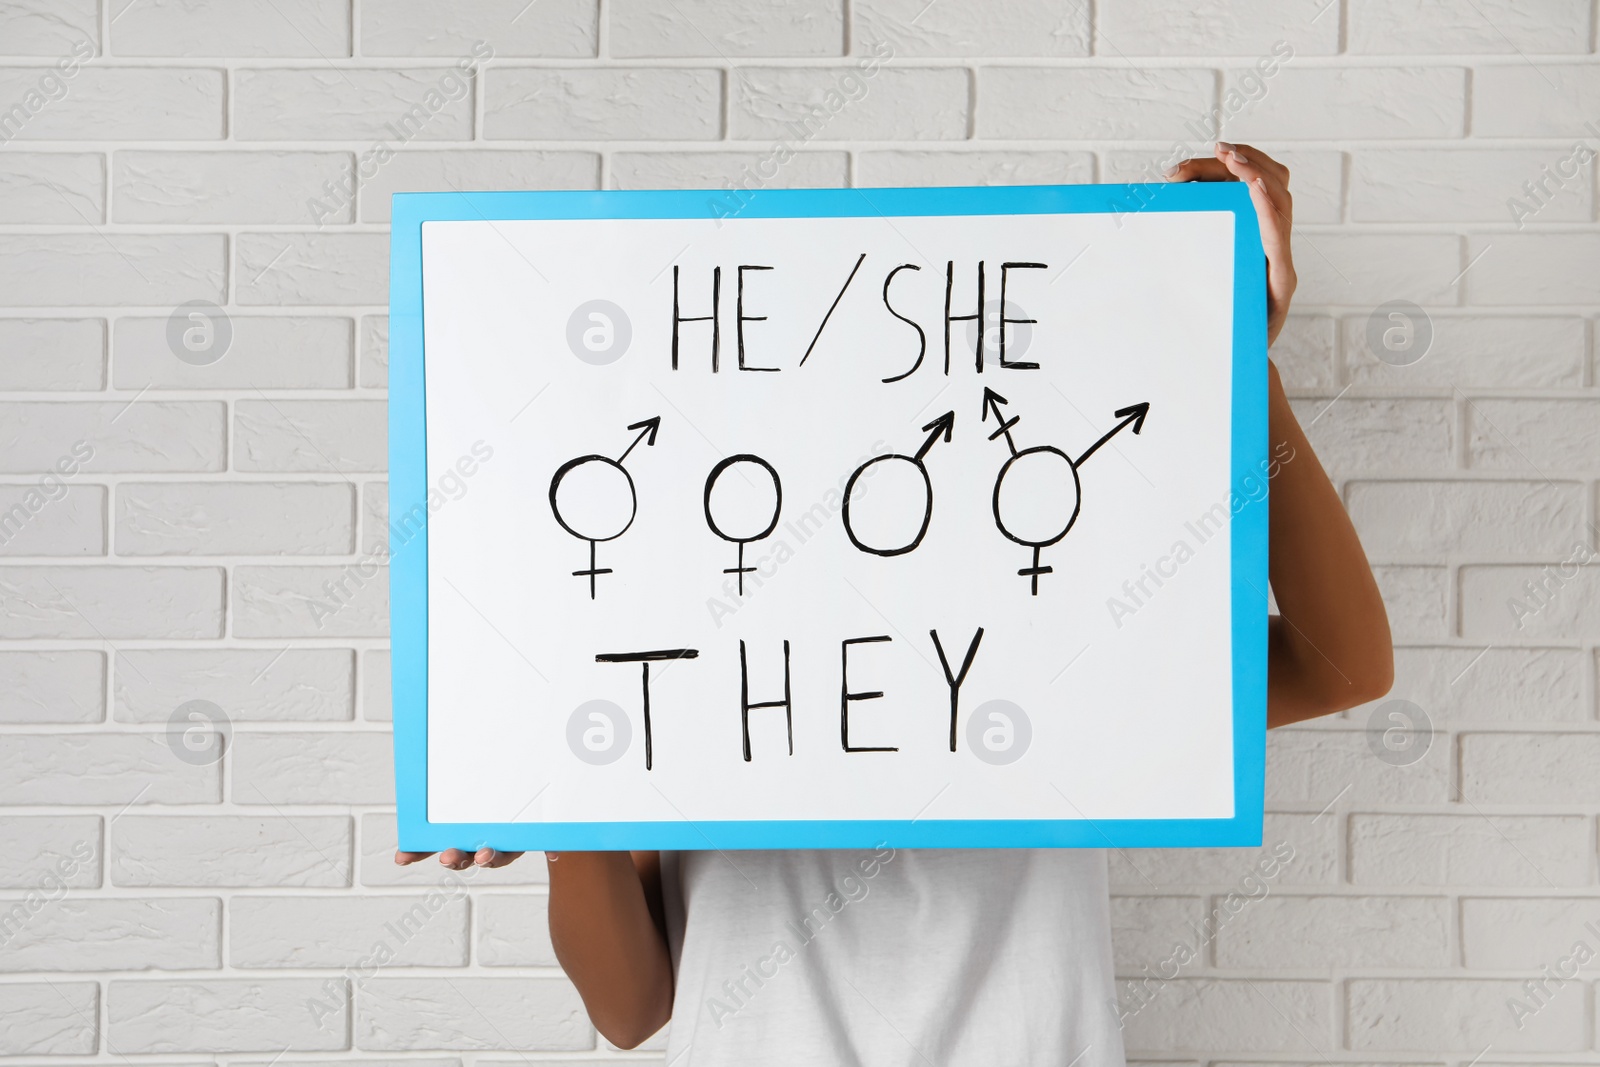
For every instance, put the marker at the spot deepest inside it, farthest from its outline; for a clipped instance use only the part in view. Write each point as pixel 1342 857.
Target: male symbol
pixel 647 429
pixel 943 426
pixel 1047 455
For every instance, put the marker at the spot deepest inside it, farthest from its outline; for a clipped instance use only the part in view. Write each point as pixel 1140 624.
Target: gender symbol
pixel 597 498
pixel 1049 466
pixel 777 506
pixel 943 426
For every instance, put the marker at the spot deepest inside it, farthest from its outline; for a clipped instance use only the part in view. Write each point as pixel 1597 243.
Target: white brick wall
pixel 155 910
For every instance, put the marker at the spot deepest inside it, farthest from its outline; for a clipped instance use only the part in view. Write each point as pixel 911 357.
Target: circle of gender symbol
pixel 593 469
pixel 943 426
pixel 777 506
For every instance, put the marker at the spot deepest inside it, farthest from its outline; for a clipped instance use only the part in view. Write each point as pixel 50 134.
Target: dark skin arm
pixel 1327 650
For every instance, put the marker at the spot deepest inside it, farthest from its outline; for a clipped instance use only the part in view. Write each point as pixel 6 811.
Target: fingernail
pixel 484 857
pixel 1224 146
pixel 1170 171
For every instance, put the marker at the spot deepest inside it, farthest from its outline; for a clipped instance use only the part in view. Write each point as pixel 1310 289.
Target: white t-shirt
pixel 987 957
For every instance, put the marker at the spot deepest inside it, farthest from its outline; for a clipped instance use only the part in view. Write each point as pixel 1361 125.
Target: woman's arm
pixel 1329 646
pixel 608 927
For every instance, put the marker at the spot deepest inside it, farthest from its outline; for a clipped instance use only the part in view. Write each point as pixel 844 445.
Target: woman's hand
pixel 458 859
pixel 1268 182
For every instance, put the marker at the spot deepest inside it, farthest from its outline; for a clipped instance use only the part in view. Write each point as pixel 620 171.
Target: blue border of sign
pixel 408 486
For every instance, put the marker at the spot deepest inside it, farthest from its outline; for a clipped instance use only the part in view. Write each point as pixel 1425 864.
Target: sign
pixel 932 517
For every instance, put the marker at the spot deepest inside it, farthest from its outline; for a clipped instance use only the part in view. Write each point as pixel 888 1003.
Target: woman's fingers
pixel 459 859
pixel 488 857
pixel 405 859
pixel 1199 170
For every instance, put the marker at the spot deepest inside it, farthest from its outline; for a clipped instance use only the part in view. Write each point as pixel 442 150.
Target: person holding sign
pixel 991 956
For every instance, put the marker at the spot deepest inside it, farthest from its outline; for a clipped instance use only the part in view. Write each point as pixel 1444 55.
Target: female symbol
pixel 777 506
pixel 943 426
pixel 597 493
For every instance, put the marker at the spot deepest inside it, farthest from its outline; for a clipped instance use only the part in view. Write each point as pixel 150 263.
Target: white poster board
pixel 753 531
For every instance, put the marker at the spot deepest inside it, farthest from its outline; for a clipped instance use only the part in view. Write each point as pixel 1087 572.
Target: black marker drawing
pixel 831 308
pixel 943 426
pixel 645 659
pixel 1132 416
pixel 777 507
pixel 647 433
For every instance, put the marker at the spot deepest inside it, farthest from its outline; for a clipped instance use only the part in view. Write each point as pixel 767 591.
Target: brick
pixel 52 519
pixel 456 1014
pixel 378 868
pixel 1471 850
pixel 1542 268
pixel 1417 600
pixel 101 769
pixel 227 186
pixel 1027 28
pixel 312 268
pixel 721 29
pixel 1478 351
pixel 51 850
pixel 1533 436
pixel 1456 685
pixel 1429 520
pixel 1304 352
pixel 1358 435
pixel 974 168
pixel 793 105
pixel 297 602
pixel 111 436
pixel 1552 769
pixel 557 28
pixel 376 686
pixel 1318 933
pixel 1144 930
pixel 247 519
pixel 718 170
pixel 475 170
pixel 412 931
pixel 325 436
pixel 52 687
pixel 1354 103
pixel 375 517
pixel 119 104
pixel 1382 27
pixel 105 603
pixel 374 352
pixel 623 105
pixel 276 352
pixel 284 769
pixel 226 1015
pixel 1313 766
pixel 1215 27
pixel 67 270
pixel 50 1019
pixel 1081 104
pixel 1522 933
pixel 514 931
pixel 1524 100
pixel 1436 1015
pixel 1313 860
pixel 50 27
pixel 230 850
pixel 388 107
pixel 118 935
pixel 45 187
pixel 310 28
pixel 52 354
pixel 1371 269
pixel 1442 185
pixel 249 685
pixel 1553 602
pixel 1250 1016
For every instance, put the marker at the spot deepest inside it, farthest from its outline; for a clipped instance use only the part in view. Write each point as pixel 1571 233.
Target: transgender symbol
pixel 1050 468
pixel 943 426
pixel 597 494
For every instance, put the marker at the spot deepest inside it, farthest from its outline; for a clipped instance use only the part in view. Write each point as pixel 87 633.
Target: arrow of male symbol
pixel 648 429
pixel 1132 417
